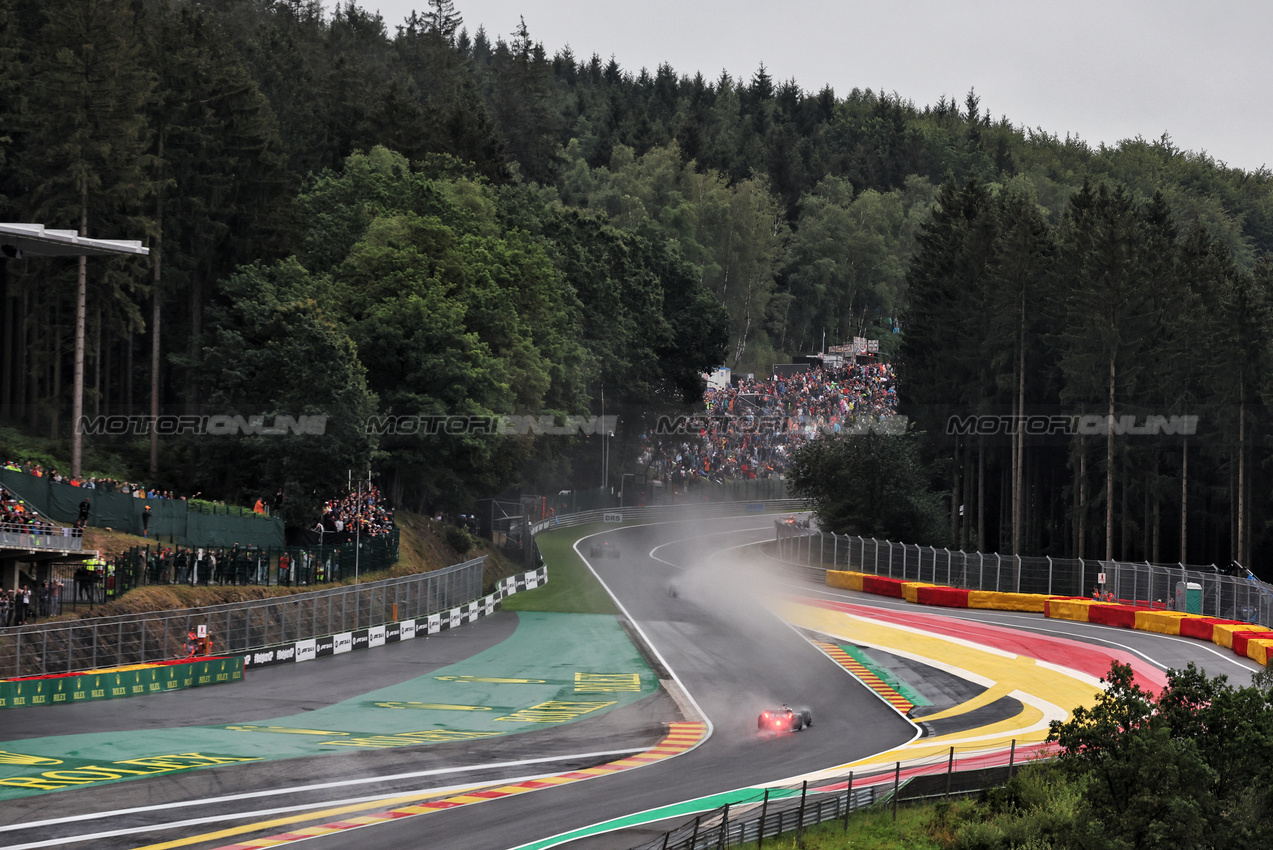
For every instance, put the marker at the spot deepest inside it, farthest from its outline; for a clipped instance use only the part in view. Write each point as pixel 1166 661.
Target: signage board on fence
pixel 612 517
pixel 1100 578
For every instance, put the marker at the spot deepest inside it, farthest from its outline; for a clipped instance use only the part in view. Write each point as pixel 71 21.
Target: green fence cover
pixel 168 517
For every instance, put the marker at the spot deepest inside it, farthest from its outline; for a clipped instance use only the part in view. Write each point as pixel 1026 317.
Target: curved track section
pixel 699 593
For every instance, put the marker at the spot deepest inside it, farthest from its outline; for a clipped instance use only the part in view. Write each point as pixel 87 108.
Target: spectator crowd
pixel 751 429
pixel 15 516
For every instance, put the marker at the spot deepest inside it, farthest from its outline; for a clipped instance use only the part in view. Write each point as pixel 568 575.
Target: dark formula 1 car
pixel 784 719
pixel 604 549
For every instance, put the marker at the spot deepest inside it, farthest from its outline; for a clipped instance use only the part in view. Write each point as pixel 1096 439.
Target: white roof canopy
pixel 35 240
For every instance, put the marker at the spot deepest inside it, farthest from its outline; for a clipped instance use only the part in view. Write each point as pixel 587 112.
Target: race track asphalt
pixel 686 589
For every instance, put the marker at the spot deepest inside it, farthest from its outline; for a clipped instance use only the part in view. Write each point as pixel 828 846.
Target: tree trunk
pixel 1184 501
pixel 1018 441
pixel 157 258
pixel 981 498
pixel 1109 469
pixel 1081 543
pixel 1241 556
pixel 81 304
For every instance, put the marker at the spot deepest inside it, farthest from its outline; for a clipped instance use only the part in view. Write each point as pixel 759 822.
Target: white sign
pixel 202 631
pixel 408 630
pixel 1100 578
pixel 612 517
pixel 376 636
pixel 343 642
pixel 306 650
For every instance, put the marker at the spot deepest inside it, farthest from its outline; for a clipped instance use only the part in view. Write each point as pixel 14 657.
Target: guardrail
pixel 781 809
pixel 668 513
pixel 236 628
pixel 19 536
pixel 1151 585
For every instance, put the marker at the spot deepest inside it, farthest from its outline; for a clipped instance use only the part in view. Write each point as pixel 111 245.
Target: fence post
pixel 848 802
pixel 998 571
pixel 1012 756
pixel 804 791
pixel 1018 587
pixel 835 550
pixel 694 836
pixel 981 571
pixel 877 554
pixel 948 584
pixel 724 828
pixel 822 540
pixel 950 769
pixel 764 810
pixel 897 787
pixel 1050 591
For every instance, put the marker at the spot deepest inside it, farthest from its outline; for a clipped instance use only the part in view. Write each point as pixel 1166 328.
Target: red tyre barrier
pixel 1240 640
pixel 950 597
pixel 883 586
pixel 1199 627
pixel 1123 616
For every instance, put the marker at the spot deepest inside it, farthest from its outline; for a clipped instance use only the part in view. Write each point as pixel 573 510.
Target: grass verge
pixel 571 588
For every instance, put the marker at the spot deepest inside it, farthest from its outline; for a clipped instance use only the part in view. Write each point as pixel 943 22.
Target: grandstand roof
pixel 35 240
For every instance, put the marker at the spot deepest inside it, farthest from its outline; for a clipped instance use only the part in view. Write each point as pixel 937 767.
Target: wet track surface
pixel 684 588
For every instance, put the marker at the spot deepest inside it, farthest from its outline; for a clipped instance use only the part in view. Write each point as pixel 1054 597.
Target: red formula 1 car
pixel 785 719
pixel 603 549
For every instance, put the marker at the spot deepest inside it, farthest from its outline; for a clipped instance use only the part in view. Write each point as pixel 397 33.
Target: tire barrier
pixel 1247 640
pixel 373 636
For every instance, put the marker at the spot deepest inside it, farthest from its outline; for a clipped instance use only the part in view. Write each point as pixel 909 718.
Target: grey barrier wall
pixel 15 536
pixel 668 513
pixel 237 628
pixel 1207 591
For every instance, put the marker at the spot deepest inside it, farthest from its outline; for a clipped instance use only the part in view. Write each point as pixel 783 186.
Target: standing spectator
pixel 285 568
pixel 55 597
pixel 85 506
pixel 145 521
pixel 23 598
pixel 6 606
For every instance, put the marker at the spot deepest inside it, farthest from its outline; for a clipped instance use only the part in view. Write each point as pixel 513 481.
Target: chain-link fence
pixel 80 585
pixel 1199 590
pixel 61 647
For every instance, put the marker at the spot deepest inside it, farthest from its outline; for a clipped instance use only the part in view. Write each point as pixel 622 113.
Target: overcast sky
pixel 1104 71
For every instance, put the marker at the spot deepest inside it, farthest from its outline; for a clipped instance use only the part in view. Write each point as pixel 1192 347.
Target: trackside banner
pixel 134 681
pixel 408 629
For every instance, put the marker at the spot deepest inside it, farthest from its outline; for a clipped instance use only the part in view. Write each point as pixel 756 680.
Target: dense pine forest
pixel 355 217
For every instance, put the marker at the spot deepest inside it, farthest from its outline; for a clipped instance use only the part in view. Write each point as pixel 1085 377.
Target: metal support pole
pixel 694 836
pixel 804 791
pixel 897 787
pixel 1018 586
pixel 724 828
pixel 764 810
pixel 1050 591
pixel 1012 756
pixel 950 769
pixel 848 802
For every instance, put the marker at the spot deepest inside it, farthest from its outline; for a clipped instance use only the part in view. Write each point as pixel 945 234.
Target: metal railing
pixel 1151 585
pixel 668 513
pixel 760 814
pixel 236 628
pixel 20 536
